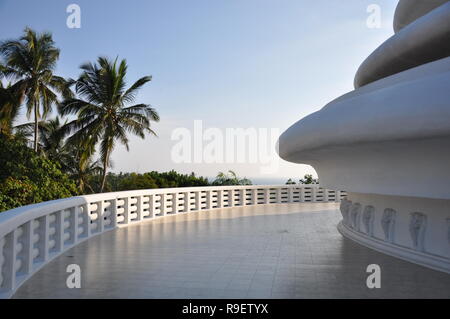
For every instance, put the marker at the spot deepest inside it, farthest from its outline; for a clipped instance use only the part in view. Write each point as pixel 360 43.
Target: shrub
pixel 27 178
pixel 136 181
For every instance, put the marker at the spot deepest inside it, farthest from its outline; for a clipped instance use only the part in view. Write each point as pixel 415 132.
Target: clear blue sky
pixel 230 63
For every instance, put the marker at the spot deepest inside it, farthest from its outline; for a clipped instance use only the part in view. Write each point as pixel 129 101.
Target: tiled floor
pixel 274 251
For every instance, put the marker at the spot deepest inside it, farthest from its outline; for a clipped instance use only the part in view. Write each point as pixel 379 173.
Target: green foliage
pixel 174 179
pixel 290 182
pixel 308 179
pixel 31 61
pixel 132 181
pixel 104 116
pixel 136 181
pixel 230 178
pixel 10 100
pixel 27 178
pixel 63 165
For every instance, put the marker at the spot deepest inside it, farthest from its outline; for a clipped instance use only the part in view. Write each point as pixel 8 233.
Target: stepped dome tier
pixel 387 143
pixel 425 40
pixel 409 11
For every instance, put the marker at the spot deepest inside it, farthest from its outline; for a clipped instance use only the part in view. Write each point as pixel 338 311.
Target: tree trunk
pixel 36 127
pixel 105 165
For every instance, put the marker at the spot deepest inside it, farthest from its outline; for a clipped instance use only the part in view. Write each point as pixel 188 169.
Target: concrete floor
pixel 269 251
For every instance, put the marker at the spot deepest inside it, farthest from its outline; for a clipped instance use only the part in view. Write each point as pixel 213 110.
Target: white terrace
pixel 204 242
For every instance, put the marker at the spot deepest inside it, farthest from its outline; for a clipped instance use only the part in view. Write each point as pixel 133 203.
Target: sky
pixel 253 64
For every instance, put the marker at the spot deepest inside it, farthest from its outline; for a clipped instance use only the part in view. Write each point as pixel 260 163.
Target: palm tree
pixel 51 137
pixel 102 111
pixel 308 179
pixel 11 98
pixel 31 61
pixel 81 168
pixel 230 178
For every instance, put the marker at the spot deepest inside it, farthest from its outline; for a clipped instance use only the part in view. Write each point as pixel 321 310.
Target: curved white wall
pixel 410 228
pixel 387 142
pixel 33 235
pixel 387 138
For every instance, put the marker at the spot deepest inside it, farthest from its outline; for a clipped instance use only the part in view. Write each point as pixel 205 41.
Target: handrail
pixel 33 235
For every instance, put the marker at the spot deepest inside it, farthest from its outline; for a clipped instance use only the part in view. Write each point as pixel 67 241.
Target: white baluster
pixel 151 206
pixel 73 227
pixel 186 200
pixel 113 210
pixel 27 241
pixel 254 198
pixel 139 208
pixel 43 238
pixel 219 198
pixel 100 216
pixel 313 194
pixel 301 194
pixel 197 200
pixel 163 201
pixel 231 198
pixel 86 220
pixel 126 210
pixel 279 199
pixel 337 196
pixel 208 199
pixel 174 203
pixel 9 264
pixel 59 236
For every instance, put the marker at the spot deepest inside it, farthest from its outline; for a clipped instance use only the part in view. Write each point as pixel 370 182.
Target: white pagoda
pixel 387 143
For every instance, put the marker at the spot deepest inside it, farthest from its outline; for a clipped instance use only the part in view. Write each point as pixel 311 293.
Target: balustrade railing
pixel 31 236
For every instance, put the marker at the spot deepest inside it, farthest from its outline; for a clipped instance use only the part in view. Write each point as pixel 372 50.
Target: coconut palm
pixel 31 60
pixel 81 168
pixel 11 98
pixel 230 178
pixel 74 160
pixel 103 114
pixel 51 137
pixel 308 179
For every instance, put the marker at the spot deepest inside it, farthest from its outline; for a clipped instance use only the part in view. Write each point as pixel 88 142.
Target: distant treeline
pixel 27 177
pixel 131 181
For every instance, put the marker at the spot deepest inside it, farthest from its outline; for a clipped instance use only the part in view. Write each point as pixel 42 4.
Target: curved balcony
pixel 207 242
pixel 31 236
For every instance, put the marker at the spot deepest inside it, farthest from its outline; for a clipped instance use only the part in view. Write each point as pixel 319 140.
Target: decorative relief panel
pixel 355 216
pixel 388 224
pixel 417 228
pixel 368 218
pixel 345 210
